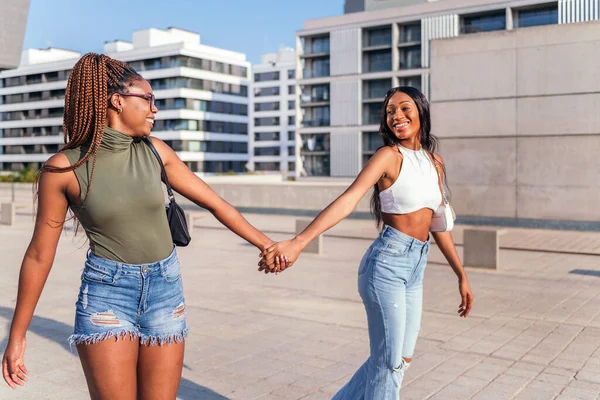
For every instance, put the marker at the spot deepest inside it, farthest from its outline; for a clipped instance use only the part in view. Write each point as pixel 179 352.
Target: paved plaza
pixel 534 332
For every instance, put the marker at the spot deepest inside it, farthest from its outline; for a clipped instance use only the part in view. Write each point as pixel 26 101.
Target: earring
pixel 119 110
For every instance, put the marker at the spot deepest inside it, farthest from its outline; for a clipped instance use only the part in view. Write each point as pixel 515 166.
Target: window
pixel 291 104
pixel 379 36
pixel 315 142
pixel 291 120
pixel 32 79
pixel 371 142
pixel 316 116
pixel 377 61
pixel 266 91
pixel 376 88
pixel 547 15
pixel 291 136
pixel 410 33
pixel 314 94
pixel 266 76
pixel 265 136
pixel 267 151
pixel 291 89
pixel 266 166
pixel 410 57
pixel 414 81
pixel 493 21
pixel 317 45
pixel 266 121
pixel 271 106
pixel 317 68
pixel 316 164
pixel 291 74
pixel 372 113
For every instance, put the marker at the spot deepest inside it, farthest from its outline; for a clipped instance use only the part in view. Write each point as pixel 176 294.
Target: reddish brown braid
pixel 93 79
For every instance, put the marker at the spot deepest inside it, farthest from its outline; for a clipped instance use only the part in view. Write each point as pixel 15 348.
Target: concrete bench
pixel 8 213
pixel 481 247
pixel 191 216
pixel 316 246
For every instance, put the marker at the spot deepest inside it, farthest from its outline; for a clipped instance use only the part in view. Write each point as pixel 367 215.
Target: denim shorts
pixel 143 301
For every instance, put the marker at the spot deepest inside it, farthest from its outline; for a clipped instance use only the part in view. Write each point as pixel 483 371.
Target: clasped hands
pixel 278 256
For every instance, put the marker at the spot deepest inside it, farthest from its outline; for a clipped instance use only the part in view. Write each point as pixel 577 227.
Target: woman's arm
pixel 339 209
pixel 189 185
pixel 445 243
pixel 36 265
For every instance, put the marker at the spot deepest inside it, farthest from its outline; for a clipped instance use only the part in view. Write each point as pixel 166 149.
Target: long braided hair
pixel 93 80
pixel 428 141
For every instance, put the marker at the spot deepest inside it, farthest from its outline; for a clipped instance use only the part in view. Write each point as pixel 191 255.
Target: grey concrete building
pixel 13 20
pixel 517 114
pixel 346 63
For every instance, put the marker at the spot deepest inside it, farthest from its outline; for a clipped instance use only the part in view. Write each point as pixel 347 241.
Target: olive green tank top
pixel 124 212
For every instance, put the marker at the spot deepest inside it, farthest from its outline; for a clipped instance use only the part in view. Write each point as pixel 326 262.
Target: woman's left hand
pixel 467 298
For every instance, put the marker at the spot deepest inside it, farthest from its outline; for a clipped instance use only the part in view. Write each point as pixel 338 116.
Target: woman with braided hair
pixel 130 313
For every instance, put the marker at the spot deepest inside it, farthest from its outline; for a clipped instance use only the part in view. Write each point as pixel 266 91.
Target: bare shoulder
pixel 59 160
pixel 387 153
pixel 165 152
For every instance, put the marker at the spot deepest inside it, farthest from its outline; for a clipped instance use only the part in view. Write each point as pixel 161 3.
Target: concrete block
pixel 482 247
pixel 190 216
pixel 7 213
pixel 316 246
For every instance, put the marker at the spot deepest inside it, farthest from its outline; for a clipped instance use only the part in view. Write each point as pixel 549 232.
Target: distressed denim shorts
pixel 145 301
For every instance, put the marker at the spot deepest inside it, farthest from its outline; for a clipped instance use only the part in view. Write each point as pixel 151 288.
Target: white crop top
pixel 416 187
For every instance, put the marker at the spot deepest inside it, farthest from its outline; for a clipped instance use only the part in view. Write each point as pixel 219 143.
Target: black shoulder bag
pixel 175 214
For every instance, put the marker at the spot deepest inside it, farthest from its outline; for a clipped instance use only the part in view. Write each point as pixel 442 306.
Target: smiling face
pixel 402 117
pixel 138 109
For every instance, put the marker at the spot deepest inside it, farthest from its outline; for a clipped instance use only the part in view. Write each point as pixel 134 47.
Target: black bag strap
pixel 162 169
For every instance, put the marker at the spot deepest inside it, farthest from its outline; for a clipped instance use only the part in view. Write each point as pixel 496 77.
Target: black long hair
pixel 428 141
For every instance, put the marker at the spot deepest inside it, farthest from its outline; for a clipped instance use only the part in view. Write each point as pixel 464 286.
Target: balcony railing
pixel 316 72
pixel 315 122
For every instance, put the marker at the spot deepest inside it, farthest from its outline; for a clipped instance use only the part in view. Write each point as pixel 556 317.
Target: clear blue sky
pixel 252 27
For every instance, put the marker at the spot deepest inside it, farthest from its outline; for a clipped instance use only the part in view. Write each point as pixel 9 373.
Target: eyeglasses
pixel 148 97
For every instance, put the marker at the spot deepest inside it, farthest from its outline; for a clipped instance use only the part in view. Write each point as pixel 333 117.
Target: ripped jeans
pixel 118 300
pixel 390 282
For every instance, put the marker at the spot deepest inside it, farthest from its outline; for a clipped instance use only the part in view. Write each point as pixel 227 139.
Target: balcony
pixel 315 122
pixel 316 47
pixel 320 72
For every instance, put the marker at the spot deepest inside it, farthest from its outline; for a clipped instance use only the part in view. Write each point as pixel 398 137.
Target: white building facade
pixel 202 95
pixel 272 142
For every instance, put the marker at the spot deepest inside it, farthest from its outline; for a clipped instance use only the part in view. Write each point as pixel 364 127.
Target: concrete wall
pixel 13 20
pixel 518 117
pixel 299 198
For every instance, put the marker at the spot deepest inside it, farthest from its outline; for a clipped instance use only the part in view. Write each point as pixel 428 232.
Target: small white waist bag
pixel 444 217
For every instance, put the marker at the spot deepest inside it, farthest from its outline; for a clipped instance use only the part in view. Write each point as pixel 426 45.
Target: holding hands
pixel 279 256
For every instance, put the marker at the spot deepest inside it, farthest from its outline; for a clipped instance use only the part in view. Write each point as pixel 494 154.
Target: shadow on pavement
pixel 58 332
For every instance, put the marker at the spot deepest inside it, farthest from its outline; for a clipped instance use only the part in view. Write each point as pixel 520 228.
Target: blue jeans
pixel 390 282
pixel 142 301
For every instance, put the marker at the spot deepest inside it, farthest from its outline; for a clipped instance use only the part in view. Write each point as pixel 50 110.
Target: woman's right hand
pixel 279 256
pixel 13 363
